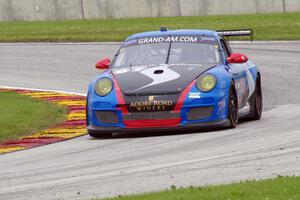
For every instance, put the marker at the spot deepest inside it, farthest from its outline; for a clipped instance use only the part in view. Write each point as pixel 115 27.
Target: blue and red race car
pixel 170 80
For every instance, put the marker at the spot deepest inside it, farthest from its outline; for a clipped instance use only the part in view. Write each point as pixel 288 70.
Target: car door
pixel 239 76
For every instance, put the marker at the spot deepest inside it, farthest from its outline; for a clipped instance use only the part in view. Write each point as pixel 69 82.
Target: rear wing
pixel 236 33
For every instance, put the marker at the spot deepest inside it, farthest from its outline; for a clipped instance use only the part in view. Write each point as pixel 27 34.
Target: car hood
pixel 157 79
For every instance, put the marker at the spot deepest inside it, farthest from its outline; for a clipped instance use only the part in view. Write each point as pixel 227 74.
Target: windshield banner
pixel 168 39
pixel 188 39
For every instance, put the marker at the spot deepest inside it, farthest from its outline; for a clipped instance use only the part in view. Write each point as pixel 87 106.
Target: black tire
pixel 100 135
pixel 256 101
pixel 233 107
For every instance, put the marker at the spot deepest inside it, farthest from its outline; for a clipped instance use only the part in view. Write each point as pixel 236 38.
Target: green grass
pixel 276 26
pixel 22 115
pixel 281 188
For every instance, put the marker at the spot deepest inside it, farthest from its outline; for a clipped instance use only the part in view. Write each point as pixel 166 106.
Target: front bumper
pixel 198 111
pixel 193 126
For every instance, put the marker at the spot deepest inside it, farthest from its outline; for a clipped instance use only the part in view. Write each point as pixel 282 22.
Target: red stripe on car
pixel 120 99
pixel 182 97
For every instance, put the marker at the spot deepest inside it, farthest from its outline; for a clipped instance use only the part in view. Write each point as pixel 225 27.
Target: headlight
pixel 206 82
pixel 103 86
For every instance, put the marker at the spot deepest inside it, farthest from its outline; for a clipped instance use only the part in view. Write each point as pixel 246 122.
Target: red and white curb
pixel 73 127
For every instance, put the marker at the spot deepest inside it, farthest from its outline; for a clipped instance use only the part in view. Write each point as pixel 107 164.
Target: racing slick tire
pixel 232 107
pixel 100 135
pixel 256 101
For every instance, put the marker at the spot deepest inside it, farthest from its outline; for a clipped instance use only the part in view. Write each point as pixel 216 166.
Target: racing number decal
pixel 250 81
pixel 244 82
pixel 242 90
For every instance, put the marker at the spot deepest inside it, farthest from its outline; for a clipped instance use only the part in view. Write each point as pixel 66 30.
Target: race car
pixel 172 80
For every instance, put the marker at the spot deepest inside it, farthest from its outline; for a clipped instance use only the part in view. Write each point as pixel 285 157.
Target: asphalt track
pixel 83 167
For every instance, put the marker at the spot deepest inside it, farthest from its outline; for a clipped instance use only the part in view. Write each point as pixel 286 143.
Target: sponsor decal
pixel 194 95
pixel 221 106
pixel 170 38
pixel 151 105
pixel 242 90
pixel 185 39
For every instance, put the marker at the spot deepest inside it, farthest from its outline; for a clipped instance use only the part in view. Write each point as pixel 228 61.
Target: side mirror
pixel 103 64
pixel 237 58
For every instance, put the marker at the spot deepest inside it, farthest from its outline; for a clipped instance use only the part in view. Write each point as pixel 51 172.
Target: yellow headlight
pixel 206 82
pixel 103 87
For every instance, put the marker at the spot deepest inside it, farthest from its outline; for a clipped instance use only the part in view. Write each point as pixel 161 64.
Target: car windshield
pixel 168 50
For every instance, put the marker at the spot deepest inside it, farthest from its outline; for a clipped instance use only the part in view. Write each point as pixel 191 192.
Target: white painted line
pixel 46 90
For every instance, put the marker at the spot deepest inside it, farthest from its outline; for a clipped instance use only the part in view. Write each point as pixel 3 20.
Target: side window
pixel 226 49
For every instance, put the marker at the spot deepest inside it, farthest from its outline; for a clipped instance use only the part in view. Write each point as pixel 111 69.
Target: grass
pixel 22 115
pixel 281 188
pixel 278 26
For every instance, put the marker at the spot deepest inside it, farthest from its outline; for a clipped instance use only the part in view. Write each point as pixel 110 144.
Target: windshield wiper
pixel 169 50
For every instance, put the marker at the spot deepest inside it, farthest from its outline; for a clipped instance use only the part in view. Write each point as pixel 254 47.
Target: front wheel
pixel 232 107
pixel 100 135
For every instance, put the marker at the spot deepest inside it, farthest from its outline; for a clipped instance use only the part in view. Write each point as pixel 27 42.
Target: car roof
pixel 208 33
